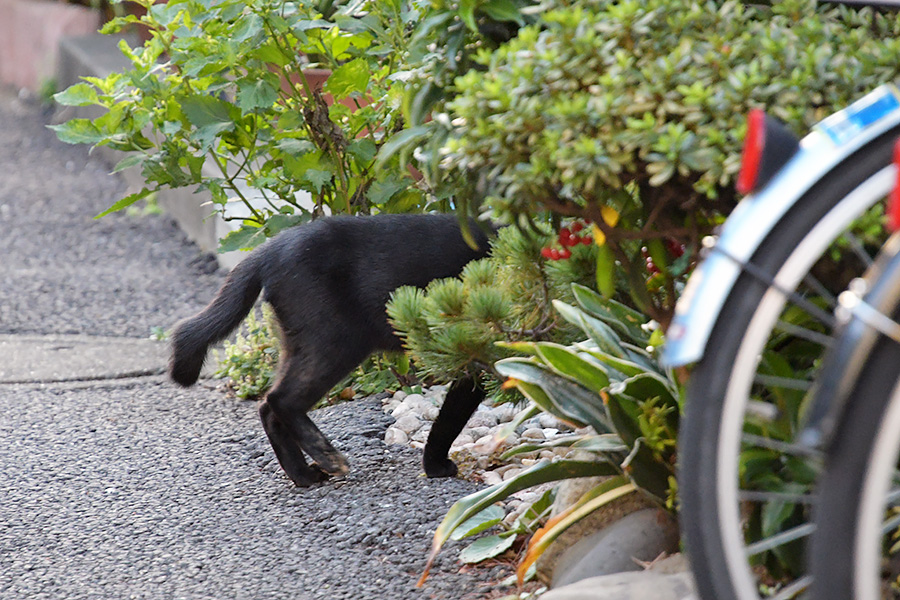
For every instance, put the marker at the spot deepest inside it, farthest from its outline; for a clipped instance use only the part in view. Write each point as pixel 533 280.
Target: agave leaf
pixel 602 334
pixel 567 362
pixel 601 495
pixel 627 366
pixel 645 386
pixel 487 547
pixel 482 521
pixel 566 397
pixel 626 321
pixel 472 504
pixel 606 442
pixel 508 429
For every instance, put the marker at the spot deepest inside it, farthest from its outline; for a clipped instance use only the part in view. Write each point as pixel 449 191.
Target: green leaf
pixel 80 94
pixel 245 238
pixel 126 202
pixel 568 363
pixel 350 77
pixel 278 223
pixel 467 14
pixel 606 271
pixel 490 516
pixel 487 547
pixel 318 178
pixel 626 321
pixel 210 116
pixel 601 333
pixel 570 400
pixel 400 141
pixel 296 147
pixel 78 131
pixel 253 95
pixel 364 150
pixel 542 472
pixel 129 161
pixel 502 10
pixel 382 191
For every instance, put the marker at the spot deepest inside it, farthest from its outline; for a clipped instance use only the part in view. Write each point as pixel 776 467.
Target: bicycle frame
pixel 829 143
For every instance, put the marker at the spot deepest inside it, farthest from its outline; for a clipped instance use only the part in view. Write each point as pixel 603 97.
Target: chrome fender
pixel 822 150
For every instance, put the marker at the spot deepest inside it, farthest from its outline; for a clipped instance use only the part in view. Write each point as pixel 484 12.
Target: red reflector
pixel 752 153
pixel 893 204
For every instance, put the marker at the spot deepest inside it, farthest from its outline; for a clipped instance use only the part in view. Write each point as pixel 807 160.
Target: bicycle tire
pixel 860 462
pixel 710 446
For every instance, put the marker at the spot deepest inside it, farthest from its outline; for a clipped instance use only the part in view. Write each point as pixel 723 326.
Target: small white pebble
pixel 400 395
pixel 491 478
pixel 548 421
pixel 395 436
pixel 485 444
pixel 533 434
pixel 408 423
pixel 400 410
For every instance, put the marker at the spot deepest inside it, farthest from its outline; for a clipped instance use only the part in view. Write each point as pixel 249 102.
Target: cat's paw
pixel 439 467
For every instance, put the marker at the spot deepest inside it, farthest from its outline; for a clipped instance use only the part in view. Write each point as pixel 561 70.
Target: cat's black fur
pixel 328 283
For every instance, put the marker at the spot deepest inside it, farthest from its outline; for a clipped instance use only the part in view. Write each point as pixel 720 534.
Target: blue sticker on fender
pixel 871 108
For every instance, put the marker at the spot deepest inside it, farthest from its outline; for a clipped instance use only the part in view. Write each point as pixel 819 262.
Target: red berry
pixel 674 248
pixel 554 254
pixel 565 253
pixel 587 240
pixel 547 252
pixel 576 227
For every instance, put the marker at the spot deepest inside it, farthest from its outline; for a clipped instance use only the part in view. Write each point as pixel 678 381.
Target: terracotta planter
pixel 30 31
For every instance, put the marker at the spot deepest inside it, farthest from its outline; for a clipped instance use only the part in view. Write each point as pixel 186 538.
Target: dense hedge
pixel 641 104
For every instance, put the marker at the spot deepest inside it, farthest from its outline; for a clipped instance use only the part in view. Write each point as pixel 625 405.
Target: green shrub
pixel 225 86
pixel 639 106
pixel 251 361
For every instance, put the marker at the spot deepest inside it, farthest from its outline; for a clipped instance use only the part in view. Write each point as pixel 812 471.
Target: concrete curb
pixel 57 358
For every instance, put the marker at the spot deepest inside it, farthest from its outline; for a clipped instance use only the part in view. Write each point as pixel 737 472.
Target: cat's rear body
pixel 328 283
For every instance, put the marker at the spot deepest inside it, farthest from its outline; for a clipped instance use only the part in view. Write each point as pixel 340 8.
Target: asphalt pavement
pixel 116 484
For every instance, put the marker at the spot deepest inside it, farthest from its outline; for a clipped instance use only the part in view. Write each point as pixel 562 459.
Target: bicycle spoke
pixel 858 249
pixel 789 383
pixel 891 524
pixel 753 496
pixel 819 289
pixel 780 446
pixel 791 591
pixel 780 539
pixel 762 411
pixel 802 332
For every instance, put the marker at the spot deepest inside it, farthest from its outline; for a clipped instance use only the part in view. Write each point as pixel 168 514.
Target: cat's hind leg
pixel 288 453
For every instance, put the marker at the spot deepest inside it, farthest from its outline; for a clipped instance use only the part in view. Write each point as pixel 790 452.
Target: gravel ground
pixel 137 489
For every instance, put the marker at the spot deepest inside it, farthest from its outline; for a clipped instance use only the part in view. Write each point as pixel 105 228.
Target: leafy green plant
pixel 220 97
pixel 613 383
pixel 638 106
pixel 251 361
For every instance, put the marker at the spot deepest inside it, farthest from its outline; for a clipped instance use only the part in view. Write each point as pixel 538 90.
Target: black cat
pixel 328 283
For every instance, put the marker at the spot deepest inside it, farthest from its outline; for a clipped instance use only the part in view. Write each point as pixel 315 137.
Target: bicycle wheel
pixel 745 487
pixel 854 551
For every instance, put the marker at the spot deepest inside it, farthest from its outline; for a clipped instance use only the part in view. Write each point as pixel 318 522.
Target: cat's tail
pixel 193 336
